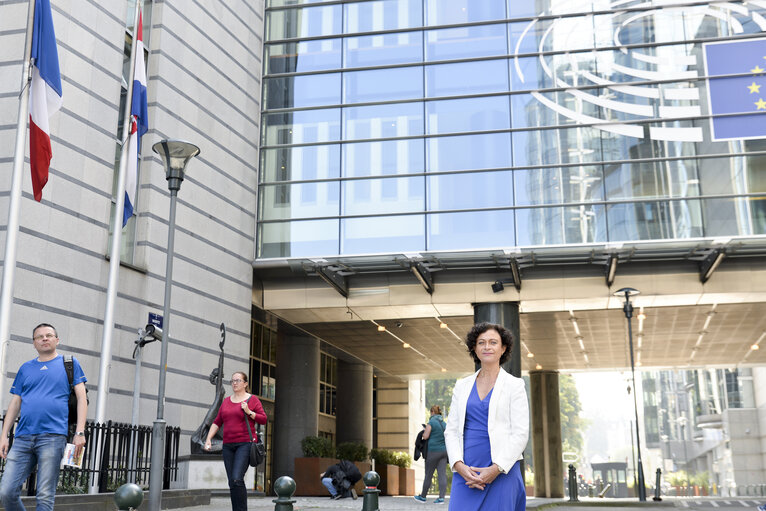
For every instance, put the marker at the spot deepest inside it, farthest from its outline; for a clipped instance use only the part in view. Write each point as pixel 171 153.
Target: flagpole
pixel 114 254
pixel 14 204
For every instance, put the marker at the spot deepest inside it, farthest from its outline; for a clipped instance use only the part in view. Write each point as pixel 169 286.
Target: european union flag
pixel 744 95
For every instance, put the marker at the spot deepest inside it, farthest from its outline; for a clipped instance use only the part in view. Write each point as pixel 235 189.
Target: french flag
pixel 44 95
pixel 139 123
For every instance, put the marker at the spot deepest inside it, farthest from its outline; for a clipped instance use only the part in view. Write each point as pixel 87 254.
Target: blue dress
pixel 506 492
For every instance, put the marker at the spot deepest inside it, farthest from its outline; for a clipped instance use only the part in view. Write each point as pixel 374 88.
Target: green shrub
pixel 317 447
pixel 382 457
pixel 352 451
pixel 402 459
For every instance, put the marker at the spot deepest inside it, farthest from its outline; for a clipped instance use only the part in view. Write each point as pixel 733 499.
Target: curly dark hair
pixel 479 328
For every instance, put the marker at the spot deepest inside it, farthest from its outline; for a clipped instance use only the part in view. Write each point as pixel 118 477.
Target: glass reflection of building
pixel 437 125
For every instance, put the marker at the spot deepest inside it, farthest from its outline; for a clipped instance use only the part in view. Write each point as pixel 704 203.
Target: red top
pixel 231 415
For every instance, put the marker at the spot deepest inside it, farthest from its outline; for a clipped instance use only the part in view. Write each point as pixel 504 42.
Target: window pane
pixel 381 158
pixel 383 234
pixel 450 12
pixel 255 378
pixel 454 43
pixel 301 127
pixel 476 229
pixel 305 22
pixel 554 226
pixel 383 121
pixel 734 217
pixel 469 191
pixel 652 179
pixel 469 152
pixel 299 163
pixel 475 114
pixel 383 15
pixel 654 220
pixel 556 146
pixel 378 50
pixel 383 85
pixel 303 56
pixel 298 239
pixel 467 78
pixel 392 195
pixel 302 200
pixel 301 91
pixel 558 185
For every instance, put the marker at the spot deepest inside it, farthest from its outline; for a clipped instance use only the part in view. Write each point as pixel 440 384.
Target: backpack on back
pixel 69 366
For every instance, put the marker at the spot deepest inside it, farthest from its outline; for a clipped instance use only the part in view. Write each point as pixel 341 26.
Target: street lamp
pixel 175 155
pixel 627 292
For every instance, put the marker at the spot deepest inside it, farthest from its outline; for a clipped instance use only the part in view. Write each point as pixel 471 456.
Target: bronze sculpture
pixel 199 436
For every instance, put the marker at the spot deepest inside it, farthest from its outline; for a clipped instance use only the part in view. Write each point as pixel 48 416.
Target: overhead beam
pixel 423 275
pixel 515 273
pixel 711 263
pixel 334 279
pixel 611 269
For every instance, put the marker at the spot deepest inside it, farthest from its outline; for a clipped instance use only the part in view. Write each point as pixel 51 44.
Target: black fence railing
pixel 115 453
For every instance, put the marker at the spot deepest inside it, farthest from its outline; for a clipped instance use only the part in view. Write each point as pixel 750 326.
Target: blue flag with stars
pixel 744 94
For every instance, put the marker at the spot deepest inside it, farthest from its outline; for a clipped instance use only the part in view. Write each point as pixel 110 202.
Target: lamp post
pixel 175 155
pixel 627 292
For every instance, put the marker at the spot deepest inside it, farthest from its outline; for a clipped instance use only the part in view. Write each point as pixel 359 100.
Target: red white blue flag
pixel 44 95
pixel 139 123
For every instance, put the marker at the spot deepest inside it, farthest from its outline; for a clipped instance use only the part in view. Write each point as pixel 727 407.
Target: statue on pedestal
pixel 199 436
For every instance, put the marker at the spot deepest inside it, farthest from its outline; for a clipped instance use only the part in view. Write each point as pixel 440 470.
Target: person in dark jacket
pixel 339 479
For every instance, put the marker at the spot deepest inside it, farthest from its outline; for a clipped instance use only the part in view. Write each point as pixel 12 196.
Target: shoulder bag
pixel 257 449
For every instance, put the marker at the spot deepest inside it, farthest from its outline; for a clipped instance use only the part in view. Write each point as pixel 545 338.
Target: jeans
pixel 435 460
pixel 45 451
pixel 236 457
pixel 327 482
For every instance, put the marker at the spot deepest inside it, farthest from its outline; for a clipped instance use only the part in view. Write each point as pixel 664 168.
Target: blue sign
pixel 155 319
pixel 736 73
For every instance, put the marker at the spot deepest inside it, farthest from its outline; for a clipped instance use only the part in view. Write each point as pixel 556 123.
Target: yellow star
pixel 754 88
pixel 757 70
pixel 761 104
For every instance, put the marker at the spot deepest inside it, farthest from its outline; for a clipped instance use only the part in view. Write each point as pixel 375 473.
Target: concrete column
pixel 546 434
pixel 297 396
pixel 505 314
pixel 354 409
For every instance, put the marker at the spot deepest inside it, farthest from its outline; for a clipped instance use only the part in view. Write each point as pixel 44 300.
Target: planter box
pixel 307 480
pixel 406 481
pixel 389 479
pixel 364 467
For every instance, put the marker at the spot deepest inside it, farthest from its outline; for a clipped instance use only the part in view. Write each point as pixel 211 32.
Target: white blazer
pixel 508 421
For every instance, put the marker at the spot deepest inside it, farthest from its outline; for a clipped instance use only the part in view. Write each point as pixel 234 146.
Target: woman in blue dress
pixel 488 428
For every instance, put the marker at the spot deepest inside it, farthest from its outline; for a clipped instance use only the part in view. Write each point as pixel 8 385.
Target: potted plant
pixel 388 470
pixel 318 454
pixel 406 474
pixel 360 455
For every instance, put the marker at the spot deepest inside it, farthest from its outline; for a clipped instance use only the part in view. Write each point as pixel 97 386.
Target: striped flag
pixel 138 125
pixel 44 94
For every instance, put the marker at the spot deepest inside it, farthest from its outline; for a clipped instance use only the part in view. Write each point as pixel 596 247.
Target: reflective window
pixel 469 152
pixel 381 234
pixel 303 22
pixel 382 121
pixel 280 3
pixel 558 185
pixel 383 49
pixel 303 56
pixel 654 220
pixel 383 85
pixel 391 195
pixel 559 225
pixel 467 78
pixel 479 114
pixel 380 158
pixel 470 191
pixel 652 179
pixel 302 91
pixel 556 146
pixel 382 15
pixel 299 163
pixel 455 43
pixel 734 217
pixel 452 12
pixel 301 127
pixel 303 200
pixel 298 239
pixel 470 230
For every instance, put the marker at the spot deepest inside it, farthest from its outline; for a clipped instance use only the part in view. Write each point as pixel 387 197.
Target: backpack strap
pixel 69 366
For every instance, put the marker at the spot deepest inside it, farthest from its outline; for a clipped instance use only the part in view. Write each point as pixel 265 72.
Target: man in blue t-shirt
pixel 41 401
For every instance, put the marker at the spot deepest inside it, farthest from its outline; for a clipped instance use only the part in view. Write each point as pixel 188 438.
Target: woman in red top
pixel 236 439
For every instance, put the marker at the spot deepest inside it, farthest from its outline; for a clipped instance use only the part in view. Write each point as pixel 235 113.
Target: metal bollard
pixel 371 491
pixel 128 496
pixel 284 487
pixel 657 484
pixel 573 484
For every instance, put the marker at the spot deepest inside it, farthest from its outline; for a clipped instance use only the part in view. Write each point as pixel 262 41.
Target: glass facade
pixel 393 126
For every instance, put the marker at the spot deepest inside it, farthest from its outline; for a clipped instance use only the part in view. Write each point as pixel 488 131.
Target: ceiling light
pixel 406 345
pixel 585 356
pixel 442 325
pixel 707 322
pixel 638 364
pixel 699 340
pixel 444 370
pixel 497 286
pixel 576 327
pixel 640 340
pixel 538 367
pixel 582 345
pixel 381 328
pixel 530 355
pixel 755 347
pixel 641 316
pixel 611 269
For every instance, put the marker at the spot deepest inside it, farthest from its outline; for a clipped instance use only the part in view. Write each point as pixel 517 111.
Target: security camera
pixel 153 333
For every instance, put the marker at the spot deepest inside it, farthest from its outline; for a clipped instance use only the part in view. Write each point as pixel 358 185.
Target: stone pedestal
pixel 206 471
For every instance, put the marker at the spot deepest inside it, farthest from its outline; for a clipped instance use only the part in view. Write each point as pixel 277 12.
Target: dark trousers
pixel 436 460
pixel 235 458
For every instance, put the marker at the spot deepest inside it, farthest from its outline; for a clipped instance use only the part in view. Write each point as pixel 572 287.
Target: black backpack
pixel 69 366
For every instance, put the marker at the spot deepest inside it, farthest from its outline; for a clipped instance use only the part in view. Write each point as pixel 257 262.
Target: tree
pixel 439 392
pixel 572 425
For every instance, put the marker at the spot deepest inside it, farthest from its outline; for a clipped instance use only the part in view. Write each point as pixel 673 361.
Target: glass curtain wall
pixel 395 126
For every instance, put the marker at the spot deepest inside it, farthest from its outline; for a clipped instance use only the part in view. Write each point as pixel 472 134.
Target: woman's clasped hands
pixel 477 477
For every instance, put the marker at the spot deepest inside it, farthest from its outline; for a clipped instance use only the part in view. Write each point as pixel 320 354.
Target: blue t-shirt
pixel 436 438
pixel 44 391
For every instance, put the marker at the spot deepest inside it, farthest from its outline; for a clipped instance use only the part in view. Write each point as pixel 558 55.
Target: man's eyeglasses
pixel 46 336
pixel 237 381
